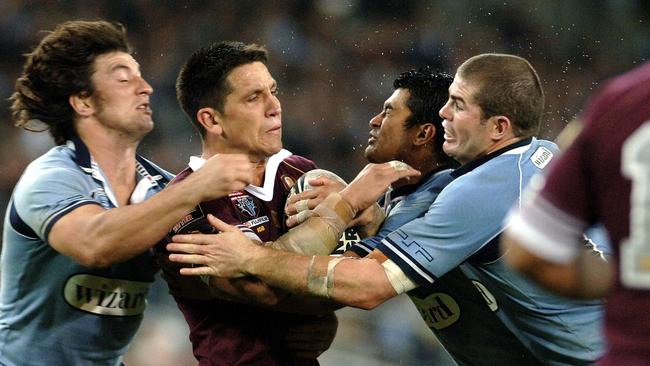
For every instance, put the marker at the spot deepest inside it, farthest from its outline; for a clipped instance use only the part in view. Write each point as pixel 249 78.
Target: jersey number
pixel 635 250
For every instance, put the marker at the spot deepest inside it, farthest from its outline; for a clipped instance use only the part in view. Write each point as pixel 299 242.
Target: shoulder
pixel 437 181
pixel 298 163
pixel 627 93
pixel 57 166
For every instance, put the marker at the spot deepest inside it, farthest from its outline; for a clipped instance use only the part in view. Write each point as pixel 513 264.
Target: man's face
pixel 121 97
pixel 389 140
pixel 467 135
pixel 252 116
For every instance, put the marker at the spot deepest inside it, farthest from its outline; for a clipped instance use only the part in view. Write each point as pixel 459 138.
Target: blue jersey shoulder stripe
pixel 414 270
pixel 62 213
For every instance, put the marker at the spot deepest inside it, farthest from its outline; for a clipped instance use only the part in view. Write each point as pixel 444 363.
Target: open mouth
pixel 145 107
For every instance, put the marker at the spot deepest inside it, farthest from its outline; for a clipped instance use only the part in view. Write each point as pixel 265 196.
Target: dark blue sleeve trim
pixel 360 249
pixel 18 224
pixel 412 268
pixel 64 212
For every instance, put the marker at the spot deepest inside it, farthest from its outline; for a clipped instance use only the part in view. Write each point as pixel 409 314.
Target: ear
pixel 82 105
pixel 501 127
pixel 211 120
pixel 425 133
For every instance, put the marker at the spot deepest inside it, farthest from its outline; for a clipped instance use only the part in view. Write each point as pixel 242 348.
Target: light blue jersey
pixel 453 307
pixel 54 311
pixel 403 205
pixel 459 236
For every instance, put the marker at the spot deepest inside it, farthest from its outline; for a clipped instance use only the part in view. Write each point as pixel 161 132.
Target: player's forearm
pixel 586 277
pixel 320 233
pixel 589 277
pixel 119 234
pixel 360 283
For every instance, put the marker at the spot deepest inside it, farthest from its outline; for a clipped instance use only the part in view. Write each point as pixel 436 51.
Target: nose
pixel 145 87
pixel 375 121
pixel 274 107
pixel 444 111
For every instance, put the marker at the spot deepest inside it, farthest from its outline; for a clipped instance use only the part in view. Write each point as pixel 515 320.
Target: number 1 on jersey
pixel 635 250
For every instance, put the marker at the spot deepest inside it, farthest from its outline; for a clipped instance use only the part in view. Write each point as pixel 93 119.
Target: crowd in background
pixel 334 61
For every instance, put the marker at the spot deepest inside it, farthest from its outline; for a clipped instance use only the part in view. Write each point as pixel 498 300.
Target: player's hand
pixel 321 187
pixel 223 174
pixel 373 181
pixel 368 221
pixel 221 255
pixel 312 338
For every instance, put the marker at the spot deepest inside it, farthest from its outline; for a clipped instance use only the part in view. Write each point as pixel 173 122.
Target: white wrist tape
pixel 401 283
pixel 321 232
pixel 322 285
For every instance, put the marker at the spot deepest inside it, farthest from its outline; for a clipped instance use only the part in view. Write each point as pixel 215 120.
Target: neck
pixel 426 163
pixel 503 143
pixel 209 150
pixel 117 162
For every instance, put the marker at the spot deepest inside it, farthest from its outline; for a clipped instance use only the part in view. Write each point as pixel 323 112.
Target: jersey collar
pixel 484 159
pixel 265 192
pixel 148 175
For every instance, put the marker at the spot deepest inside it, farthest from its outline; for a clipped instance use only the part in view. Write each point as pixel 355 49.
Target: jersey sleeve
pixel 44 196
pixel 465 217
pixel 410 208
pixel 556 210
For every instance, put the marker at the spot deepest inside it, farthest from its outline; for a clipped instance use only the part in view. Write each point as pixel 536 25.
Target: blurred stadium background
pixel 335 61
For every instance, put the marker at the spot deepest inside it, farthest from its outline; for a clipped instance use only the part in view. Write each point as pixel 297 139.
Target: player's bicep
pixel 70 232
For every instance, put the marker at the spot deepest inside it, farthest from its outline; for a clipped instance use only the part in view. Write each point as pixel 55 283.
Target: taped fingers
pixel 399 165
pixel 302 205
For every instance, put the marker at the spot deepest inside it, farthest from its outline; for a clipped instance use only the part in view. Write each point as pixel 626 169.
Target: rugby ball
pixel 350 236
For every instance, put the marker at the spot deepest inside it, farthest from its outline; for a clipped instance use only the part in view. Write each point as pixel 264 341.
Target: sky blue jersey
pixel 453 307
pixel 54 311
pixel 459 236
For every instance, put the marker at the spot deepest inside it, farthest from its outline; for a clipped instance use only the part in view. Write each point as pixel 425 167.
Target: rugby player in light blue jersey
pixel 76 258
pixel 493 112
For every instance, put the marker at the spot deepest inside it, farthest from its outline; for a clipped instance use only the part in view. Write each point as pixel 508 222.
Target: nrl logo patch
pixel 245 205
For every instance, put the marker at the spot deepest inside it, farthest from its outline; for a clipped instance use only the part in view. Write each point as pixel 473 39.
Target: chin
pixel 273 150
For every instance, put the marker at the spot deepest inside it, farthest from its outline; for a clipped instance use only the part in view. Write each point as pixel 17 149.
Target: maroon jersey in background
pixel 604 177
pixel 229 333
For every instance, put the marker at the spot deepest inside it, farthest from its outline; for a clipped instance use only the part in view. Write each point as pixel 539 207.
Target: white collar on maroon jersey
pixel 265 193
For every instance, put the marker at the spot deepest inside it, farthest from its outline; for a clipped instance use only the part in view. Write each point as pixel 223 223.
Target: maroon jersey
pixel 228 333
pixel 604 177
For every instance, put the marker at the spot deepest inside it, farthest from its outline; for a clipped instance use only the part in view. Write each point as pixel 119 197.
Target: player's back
pixel 614 149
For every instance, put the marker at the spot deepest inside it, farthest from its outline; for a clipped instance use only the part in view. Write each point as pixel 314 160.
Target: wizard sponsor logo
pixel 106 296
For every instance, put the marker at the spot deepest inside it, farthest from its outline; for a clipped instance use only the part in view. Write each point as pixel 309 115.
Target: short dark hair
pixel 202 82
pixel 60 66
pixel 429 91
pixel 515 90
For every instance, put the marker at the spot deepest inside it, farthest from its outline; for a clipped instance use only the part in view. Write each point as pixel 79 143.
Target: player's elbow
pixel 93 260
pixel 97 255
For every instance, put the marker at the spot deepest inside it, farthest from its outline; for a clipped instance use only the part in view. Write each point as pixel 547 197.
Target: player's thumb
pixel 220 225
